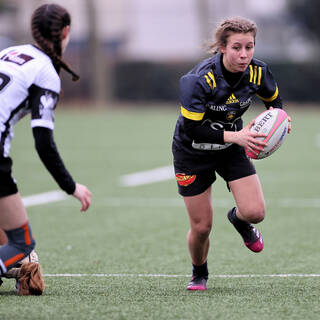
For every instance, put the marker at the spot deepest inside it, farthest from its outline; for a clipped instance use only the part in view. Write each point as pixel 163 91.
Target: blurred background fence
pixel 136 50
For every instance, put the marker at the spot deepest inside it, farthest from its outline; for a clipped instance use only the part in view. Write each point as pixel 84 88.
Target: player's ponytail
pixel 47 23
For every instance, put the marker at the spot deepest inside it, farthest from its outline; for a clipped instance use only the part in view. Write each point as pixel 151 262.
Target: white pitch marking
pixel 129 275
pixel 147 177
pixel 43 198
pixel 299 203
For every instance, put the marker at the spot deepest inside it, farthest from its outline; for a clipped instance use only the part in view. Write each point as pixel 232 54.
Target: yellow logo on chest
pixel 232 99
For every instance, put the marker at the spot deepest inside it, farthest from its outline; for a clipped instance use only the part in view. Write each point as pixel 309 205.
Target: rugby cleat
pixel 251 236
pixel 256 244
pixel 14 272
pixel 32 257
pixel 197 283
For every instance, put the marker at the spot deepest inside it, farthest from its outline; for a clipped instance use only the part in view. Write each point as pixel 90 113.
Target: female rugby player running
pixel 209 138
pixel 30 83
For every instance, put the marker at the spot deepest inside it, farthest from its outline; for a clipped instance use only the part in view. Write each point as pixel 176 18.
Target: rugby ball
pixel 274 124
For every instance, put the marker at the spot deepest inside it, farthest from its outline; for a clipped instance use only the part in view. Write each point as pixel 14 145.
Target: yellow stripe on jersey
pixel 255 74
pixel 275 95
pixel 210 74
pixel 209 82
pixel 259 75
pixel 251 73
pixel 192 115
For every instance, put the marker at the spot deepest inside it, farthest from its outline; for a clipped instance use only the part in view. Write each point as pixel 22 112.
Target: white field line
pixel 43 198
pixel 129 275
pixel 147 177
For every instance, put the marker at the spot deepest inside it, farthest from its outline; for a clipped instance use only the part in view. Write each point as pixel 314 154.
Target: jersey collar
pixel 218 69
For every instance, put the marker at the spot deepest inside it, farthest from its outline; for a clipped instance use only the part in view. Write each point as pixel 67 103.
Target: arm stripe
pixel 210 74
pixel 255 74
pixel 209 82
pixel 191 115
pixel 275 95
pixel 259 76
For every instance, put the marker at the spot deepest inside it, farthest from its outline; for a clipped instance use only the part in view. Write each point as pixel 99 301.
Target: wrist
pixel 229 136
pixel 71 188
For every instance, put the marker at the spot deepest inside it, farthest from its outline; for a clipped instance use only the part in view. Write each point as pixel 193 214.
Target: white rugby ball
pixel 274 124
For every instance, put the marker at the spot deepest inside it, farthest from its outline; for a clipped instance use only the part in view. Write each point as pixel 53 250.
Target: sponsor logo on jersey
pixel 16 57
pixel 232 99
pixel 184 180
pixel 245 104
pixel 48 101
pixel 217 108
pixel 230 115
pixel 47 104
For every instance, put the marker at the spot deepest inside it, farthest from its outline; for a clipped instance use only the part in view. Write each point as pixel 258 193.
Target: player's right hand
pixel 83 194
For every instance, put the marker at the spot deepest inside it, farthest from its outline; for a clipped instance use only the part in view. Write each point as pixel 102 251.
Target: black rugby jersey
pixel 207 100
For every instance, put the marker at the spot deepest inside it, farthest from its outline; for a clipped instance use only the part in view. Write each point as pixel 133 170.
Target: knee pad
pixel 20 244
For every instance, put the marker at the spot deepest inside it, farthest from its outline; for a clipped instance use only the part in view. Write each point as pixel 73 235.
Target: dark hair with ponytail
pixel 47 23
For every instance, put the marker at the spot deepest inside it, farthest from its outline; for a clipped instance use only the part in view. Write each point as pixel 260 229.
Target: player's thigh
pixel 247 192
pixel 12 212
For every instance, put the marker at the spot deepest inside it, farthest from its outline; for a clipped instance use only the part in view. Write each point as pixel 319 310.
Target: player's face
pixel 238 52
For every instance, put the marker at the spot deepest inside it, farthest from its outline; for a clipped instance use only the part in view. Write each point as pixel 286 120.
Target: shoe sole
pixel 196 288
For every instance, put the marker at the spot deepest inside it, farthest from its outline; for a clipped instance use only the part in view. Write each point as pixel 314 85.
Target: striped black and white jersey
pixel 29 83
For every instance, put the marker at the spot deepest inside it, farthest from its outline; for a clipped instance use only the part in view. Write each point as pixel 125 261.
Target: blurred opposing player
pixel 30 83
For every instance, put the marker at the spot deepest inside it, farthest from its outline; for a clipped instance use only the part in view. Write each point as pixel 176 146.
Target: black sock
pixel 200 270
pixel 243 227
pixel 238 224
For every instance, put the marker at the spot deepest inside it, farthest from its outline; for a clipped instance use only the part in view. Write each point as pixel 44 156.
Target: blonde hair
pixel 228 26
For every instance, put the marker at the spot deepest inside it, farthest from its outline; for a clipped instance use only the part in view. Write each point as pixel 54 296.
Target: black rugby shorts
pixel 195 176
pixel 8 185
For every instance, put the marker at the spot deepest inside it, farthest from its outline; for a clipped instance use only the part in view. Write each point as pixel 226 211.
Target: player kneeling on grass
pixel 209 138
pixel 30 83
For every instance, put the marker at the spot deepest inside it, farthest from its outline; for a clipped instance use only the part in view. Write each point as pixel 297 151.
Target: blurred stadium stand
pixel 146 46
